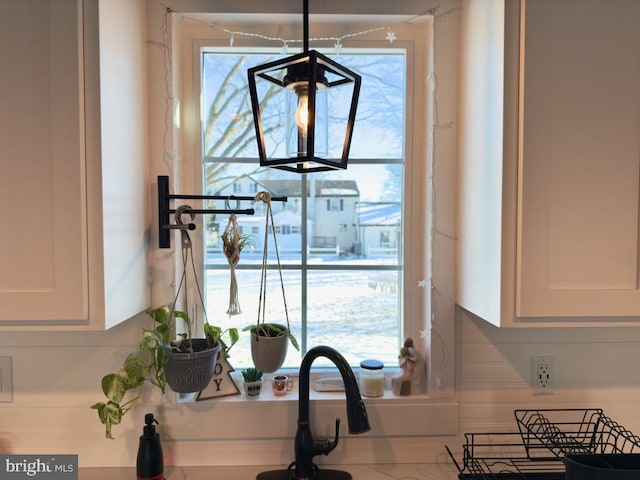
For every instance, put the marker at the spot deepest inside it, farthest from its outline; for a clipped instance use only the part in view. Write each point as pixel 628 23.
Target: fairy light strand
pixel 170 154
pixel 285 42
pixel 436 126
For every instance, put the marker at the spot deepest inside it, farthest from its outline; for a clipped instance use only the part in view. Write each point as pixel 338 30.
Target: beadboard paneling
pixel 593 368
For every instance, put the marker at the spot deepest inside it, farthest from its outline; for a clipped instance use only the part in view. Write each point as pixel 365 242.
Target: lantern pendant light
pixel 307 80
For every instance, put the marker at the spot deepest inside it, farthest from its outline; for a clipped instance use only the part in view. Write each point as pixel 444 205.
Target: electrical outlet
pixel 542 374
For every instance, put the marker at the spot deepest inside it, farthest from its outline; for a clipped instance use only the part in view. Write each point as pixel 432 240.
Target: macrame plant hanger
pixel 187 255
pixel 232 244
pixel 232 231
pixel 265 197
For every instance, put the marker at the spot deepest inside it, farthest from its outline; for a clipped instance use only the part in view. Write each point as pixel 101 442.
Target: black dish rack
pixel 537 449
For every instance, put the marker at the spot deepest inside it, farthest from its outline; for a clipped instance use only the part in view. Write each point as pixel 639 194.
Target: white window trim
pixel 396 418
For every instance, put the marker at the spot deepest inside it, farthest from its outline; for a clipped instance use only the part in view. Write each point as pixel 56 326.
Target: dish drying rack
pixel 543 438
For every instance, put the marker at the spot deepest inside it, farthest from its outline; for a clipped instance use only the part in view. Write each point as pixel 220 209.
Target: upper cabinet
pixel 550 162
pixel 72 162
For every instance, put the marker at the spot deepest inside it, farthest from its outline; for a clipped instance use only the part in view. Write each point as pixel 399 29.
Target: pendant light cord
pixel 305 25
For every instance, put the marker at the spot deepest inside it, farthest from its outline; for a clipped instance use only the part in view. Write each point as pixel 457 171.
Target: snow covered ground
pixel 355 311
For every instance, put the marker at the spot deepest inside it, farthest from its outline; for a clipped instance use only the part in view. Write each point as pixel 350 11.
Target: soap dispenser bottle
pixel 150 462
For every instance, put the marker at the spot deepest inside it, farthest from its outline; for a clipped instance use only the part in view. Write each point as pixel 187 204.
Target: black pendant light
pixel 303 127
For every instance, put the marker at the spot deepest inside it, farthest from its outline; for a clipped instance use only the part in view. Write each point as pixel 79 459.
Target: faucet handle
pixel 334 444
pixel 325 447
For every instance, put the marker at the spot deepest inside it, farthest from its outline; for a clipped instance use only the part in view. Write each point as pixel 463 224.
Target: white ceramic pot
pixel 269 353
pixel 252 389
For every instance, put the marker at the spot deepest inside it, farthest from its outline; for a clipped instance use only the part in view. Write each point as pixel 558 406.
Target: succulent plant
pixel 252 374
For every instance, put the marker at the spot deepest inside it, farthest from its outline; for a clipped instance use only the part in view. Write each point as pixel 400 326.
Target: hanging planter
pixel 191 365
pixel 232 244
pixel 192 370
pixel 269 346
pixel 186 365
pixel 269 341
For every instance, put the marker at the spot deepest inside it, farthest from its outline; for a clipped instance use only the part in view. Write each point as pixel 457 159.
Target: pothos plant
pixel 124 387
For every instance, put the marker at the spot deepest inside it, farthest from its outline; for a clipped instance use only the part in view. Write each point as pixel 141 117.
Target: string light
pixel 431 330
pixel 170 153
pixel 436 126
pixel 337 41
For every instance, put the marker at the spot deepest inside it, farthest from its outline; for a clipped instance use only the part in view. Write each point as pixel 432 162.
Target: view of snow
pixel 355 311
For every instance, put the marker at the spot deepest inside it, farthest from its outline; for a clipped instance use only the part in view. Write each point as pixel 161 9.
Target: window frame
pixel 436 411
pixel 306 268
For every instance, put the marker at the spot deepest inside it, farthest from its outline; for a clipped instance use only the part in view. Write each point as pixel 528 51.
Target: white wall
pixel 593 368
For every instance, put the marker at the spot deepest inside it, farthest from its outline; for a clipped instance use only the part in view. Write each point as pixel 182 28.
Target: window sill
pixel 267 394
pixel 270 416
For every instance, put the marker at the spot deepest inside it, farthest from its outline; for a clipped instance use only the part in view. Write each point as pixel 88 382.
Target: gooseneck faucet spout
pixel 305 446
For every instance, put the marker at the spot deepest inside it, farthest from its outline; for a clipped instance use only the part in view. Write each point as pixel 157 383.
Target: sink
pixel 318 474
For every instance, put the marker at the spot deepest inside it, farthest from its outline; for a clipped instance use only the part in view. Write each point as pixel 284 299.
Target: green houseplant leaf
pixel 251 374
pixel 110 414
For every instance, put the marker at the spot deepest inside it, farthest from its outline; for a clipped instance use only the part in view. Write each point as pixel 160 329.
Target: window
pixel 335 205
pixel 337 278
pixel 384 238
pixel 435 413
pixel 403 427
pixel 336 271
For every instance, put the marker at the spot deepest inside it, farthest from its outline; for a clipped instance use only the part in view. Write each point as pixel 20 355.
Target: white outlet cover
pixel 536 362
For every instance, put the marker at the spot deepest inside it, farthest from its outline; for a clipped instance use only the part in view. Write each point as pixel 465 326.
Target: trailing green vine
pixel 124 387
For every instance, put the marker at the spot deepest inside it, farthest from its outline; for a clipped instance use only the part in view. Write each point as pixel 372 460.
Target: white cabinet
pixel 72 162
pixel 550 162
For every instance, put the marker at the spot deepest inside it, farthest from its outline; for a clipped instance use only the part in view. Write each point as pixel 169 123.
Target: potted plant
pixel 192 362
pixel 252 381
pixel 269 345
pixel 269 340
pixel 153 363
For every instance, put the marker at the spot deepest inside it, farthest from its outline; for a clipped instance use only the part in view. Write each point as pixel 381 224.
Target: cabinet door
pixel 580 160
pixel 43 253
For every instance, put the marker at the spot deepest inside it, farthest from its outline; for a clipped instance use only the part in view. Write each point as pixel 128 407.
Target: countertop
pixel 359 472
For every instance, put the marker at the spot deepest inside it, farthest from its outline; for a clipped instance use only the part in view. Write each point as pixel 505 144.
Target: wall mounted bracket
pixel 164 209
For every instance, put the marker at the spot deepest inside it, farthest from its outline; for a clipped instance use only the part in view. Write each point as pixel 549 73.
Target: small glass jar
pixel 372 378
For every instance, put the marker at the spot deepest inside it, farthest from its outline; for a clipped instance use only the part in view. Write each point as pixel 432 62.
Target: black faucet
pixel 305 446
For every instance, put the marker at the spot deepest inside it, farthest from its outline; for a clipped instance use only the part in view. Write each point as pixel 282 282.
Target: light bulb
pixel 301 119
pixel 301 115
pixel 302 112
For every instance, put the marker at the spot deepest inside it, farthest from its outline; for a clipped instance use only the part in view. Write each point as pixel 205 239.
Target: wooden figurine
pixel 408 381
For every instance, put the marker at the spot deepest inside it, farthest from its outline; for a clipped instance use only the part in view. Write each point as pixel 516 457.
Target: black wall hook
pixel 164 209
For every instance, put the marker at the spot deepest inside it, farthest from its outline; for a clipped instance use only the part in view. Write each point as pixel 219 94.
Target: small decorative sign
pixel 50 467
pixel 221 384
